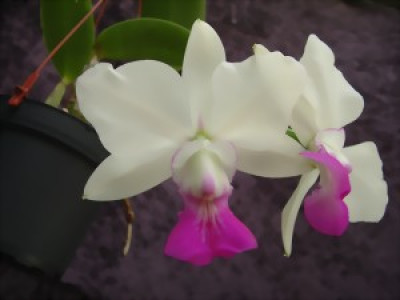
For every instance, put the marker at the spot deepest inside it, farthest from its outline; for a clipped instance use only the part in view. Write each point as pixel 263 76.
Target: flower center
pixel 202 134
pixel 203 169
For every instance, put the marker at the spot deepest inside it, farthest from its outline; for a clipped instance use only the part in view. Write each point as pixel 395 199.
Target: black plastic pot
pixel 46 157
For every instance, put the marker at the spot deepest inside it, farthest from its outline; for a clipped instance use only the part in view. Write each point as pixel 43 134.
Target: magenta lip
pixel 325 209
pixel 198 240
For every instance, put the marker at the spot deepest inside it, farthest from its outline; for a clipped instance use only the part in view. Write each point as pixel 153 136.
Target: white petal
pixel 204 52
pixel 304 121
pixel 291 209
pixel 336 102
pixel 281 159
pixel 121 176
pixel 254 98
pixel 331 138
pixel 283 80
pixel 139 102
pixel 259 49
pixel 368 197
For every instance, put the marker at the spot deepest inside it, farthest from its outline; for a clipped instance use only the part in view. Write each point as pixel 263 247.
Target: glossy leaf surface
pixel 57 19
pixel 144 38
pixel 183 12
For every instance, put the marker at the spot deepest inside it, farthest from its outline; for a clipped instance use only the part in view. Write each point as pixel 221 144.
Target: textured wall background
pixel 363 264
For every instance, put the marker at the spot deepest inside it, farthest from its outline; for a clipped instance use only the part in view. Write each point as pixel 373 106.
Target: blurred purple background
pixel 362 264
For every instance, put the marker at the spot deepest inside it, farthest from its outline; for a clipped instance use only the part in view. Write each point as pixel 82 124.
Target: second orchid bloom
pixel 351 186
pixel 219 117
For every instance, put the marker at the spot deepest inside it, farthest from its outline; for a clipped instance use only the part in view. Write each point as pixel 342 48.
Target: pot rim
pixel 55 124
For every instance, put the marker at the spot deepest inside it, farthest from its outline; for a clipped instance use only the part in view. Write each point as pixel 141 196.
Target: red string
pixel 21 91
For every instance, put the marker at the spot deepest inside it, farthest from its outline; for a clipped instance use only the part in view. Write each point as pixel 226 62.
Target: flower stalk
pixel 130 216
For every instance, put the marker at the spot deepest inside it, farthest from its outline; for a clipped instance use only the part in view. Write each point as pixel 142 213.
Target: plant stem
pixel 130 216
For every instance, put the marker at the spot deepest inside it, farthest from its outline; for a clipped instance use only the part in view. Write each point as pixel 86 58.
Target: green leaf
pixel 73 110
pixel 144 38
pixel 58 17
pixel 183 12
pixel 55 97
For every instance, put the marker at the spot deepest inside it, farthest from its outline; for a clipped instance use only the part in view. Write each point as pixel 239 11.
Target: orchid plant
pixel 157 124
pixel 199 121
pixel 218 117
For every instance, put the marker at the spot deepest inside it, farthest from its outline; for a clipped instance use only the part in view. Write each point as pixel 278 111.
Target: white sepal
pixel 291 209
pixel 121 176
pixel 369 196
pixel 335 101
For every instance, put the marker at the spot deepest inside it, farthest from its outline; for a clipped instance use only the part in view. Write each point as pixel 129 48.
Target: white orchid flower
pixel 198 128
pixel 351 186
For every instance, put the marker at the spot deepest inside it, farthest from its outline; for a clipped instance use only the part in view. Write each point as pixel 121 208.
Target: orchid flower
pixel 198 128
pixel 351 186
